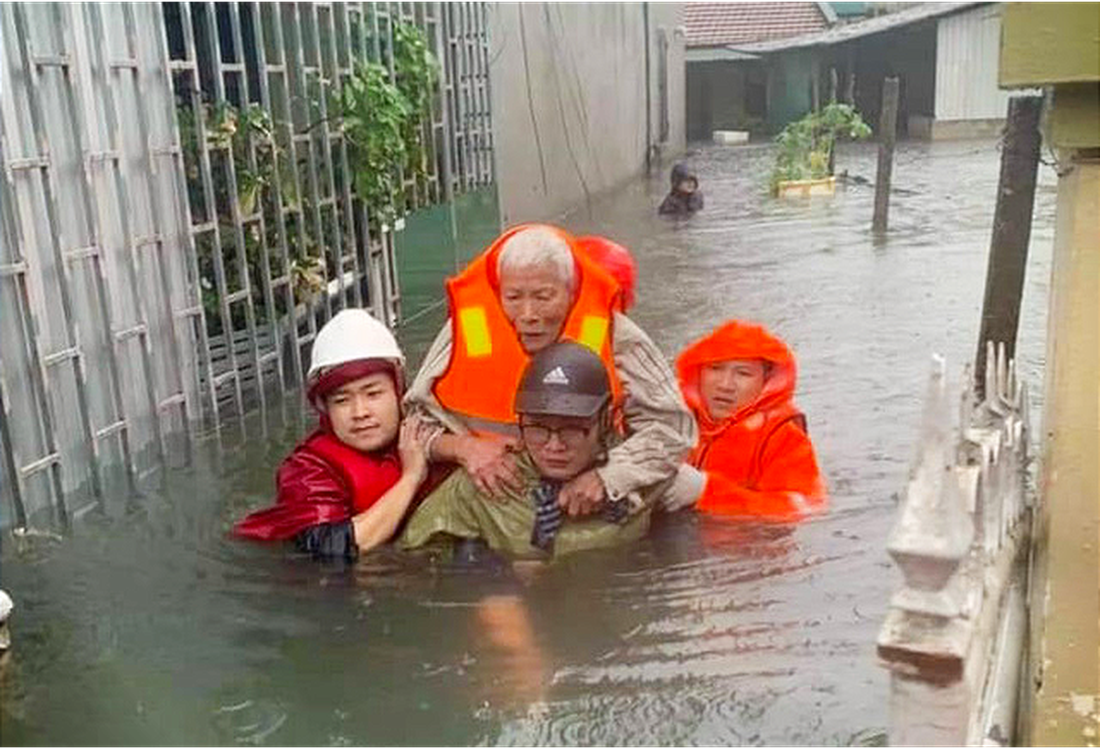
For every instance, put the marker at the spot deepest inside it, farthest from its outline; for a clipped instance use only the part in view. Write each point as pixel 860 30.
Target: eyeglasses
pixel 571 436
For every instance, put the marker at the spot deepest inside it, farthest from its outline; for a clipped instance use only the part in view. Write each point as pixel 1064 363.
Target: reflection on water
pixel 150 626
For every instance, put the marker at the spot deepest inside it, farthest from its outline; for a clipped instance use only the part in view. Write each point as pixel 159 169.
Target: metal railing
pixel 179 217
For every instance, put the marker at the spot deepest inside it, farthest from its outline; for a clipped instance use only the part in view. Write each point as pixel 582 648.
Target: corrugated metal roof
pixel 718 24
pixel 858 29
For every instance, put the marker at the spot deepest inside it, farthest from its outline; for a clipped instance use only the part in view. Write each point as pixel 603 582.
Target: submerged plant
pixel 805 147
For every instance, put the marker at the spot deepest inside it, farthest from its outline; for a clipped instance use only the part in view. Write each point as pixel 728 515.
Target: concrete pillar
pixel 1066 624
pixel 1057 45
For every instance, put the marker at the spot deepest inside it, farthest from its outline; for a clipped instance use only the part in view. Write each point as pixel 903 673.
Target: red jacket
pixel 322 481
pixel 758 461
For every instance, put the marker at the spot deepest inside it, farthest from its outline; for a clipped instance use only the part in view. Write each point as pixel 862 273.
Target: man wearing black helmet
pixel 566 428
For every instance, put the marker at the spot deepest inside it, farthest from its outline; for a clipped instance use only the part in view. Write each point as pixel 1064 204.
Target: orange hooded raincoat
pixel 759 461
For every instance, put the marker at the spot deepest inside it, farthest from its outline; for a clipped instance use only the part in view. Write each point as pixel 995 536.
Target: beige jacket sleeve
pixel 419 398
pixel 660 429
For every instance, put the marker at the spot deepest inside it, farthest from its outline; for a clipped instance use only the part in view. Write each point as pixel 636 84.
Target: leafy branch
pixel 383 120
pixel 805 147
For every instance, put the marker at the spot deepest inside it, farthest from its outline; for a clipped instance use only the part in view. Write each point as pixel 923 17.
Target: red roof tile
pixel 715 24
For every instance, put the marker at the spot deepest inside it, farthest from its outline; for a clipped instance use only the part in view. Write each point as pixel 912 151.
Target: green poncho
pixel 457 508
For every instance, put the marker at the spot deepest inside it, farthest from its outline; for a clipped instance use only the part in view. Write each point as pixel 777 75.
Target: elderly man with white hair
pixel 534 286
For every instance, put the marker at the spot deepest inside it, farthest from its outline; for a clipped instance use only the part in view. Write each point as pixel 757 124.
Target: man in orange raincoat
pixel 754 456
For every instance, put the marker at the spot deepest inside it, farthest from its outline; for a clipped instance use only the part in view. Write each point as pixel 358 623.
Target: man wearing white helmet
pixel 346 488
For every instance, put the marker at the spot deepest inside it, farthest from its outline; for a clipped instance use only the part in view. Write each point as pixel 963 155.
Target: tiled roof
pixel 715 24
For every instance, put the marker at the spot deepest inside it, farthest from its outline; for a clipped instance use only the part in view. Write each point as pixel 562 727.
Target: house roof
pixel 850 31
pixel 720 24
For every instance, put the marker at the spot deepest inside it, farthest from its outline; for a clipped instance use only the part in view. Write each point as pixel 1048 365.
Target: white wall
pixel 569 100
pixel 967 58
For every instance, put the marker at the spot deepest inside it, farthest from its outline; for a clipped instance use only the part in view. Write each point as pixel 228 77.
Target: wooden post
pixel 887 128
pixel 832 100
pixel 1004 278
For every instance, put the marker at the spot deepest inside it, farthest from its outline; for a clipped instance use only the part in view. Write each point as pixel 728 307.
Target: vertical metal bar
pixel 426 21
pixel 12 234
pixel 389 300
pixel 292 149
pixel 476 89
pixel 215 47
pixel 9 235
pixel 326 141
pixel 452 76
pixel 447 140
pixel 472 111
pixel 95 233
pixel 175 358
pixel 370 52
pixel 183 208
pixel 487 95
pixel 473 45
pixel 96 32
pixel 72 331
pixel 11 462
pixel 353 15
pixel 303 95
pixel 466 162
pixel 410 191
pixel 437 130
pixel 211 206
pixel 377 33
pixel 393 15
pixel 349 202
pixel 277 189
pixel 253 164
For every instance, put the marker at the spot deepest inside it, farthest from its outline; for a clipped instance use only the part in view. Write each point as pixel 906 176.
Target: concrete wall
pixel 569 99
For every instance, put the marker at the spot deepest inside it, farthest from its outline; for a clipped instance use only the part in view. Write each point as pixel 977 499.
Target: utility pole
pixel 888 121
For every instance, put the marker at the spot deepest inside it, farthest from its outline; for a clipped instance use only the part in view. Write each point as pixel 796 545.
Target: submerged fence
pixel 180 213
pixel 954 638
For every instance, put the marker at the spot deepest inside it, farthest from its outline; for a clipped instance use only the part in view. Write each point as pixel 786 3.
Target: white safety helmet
pixel 351 335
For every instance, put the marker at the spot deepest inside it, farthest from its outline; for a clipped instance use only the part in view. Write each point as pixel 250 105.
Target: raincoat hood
pixel 737 339
pixel 680 172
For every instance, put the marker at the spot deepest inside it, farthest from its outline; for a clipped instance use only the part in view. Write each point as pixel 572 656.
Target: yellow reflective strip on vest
pixel 475 329
pixel 593 333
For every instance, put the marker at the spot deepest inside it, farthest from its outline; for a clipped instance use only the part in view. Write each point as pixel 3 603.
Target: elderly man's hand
pixel 491 464
pixel 583 494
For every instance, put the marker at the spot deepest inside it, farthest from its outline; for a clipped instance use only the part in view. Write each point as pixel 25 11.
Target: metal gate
pixel 179 217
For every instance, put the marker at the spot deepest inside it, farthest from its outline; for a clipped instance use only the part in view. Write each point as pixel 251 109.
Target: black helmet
pixel 564 379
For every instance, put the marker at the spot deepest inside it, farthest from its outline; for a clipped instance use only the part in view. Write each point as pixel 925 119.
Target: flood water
pixel 151 626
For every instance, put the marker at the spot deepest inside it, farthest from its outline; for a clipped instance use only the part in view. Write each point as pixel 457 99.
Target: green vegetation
pixel 805 147
pixel 385 122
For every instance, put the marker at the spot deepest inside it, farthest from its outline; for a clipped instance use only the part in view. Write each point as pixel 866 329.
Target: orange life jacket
pixel 738 449
pixel 759 461
pixel 487 360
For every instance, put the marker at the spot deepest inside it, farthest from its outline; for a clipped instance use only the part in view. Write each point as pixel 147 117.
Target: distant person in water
pixel 685 197
pixel 348 486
